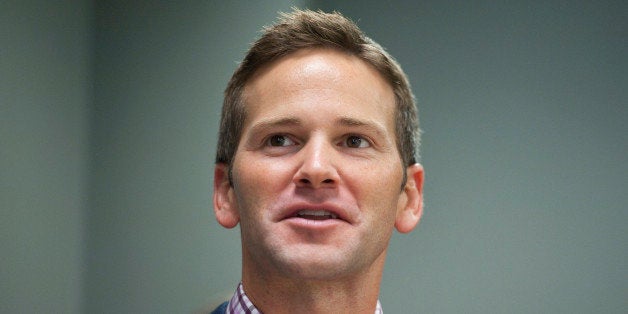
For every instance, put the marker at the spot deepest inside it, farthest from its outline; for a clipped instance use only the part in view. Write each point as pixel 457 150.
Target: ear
pixel 225 207
pixel 410 205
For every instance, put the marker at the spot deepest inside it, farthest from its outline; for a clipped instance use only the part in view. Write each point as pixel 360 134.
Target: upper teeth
pixel 317 213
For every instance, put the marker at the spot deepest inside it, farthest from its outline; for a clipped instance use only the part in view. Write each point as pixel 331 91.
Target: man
pixel 316 162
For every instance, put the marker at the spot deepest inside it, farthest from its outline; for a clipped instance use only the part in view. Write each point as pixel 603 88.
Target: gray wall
pixel 108 120
pixel 44 103
pixel 160 69
pixel 524 107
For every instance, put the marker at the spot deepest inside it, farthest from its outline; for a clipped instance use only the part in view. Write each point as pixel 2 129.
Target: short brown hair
pixel 303 29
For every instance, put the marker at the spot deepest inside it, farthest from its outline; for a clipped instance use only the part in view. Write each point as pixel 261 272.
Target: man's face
pixel 317 173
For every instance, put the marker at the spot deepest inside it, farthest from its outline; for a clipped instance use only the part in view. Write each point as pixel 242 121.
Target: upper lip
pixel 340 212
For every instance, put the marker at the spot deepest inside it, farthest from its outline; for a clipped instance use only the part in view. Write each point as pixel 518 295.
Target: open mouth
pixel 315 214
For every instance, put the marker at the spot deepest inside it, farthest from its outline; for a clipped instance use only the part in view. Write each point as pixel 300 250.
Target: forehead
pixel 319 77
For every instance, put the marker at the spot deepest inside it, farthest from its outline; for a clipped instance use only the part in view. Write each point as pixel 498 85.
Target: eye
pixel 280 140
pixel 354 141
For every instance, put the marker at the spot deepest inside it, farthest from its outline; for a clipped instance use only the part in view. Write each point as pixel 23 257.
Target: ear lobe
pixel 224 204
pixel 410 207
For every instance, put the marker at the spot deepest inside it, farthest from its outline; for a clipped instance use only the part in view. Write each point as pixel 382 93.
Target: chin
pixel 317 265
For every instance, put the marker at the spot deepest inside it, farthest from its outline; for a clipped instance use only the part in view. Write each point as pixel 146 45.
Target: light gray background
pixel 108 120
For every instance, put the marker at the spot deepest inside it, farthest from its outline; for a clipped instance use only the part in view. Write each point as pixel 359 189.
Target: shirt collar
pixel 240 304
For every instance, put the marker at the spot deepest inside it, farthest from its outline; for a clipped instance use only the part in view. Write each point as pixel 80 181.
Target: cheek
pixel 257 183
pixel 380 177
pixel 261 175
pixel 380 187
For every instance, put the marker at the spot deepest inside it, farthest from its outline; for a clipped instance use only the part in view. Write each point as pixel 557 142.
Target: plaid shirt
pixel 240 304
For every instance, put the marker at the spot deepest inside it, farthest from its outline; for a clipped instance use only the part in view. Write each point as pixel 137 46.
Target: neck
pixel 272 292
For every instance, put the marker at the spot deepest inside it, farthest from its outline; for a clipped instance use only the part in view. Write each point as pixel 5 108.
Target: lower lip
pixel 313 223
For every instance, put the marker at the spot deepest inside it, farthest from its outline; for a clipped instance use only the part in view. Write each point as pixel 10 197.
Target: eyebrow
pixel 370 125
pixel 270 123
pixel 343 121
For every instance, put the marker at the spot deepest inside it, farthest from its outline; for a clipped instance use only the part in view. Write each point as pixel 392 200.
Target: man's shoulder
pixel 221 309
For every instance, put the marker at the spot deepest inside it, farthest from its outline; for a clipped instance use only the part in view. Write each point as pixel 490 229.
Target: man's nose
pixel 318 167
